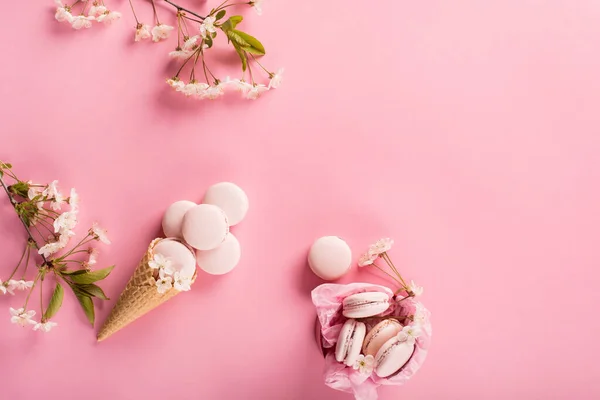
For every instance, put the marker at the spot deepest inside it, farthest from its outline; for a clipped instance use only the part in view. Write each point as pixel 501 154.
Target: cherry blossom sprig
pixel 81 14
pixel 379 250
pixel 166 277
pixel 49 231
pixel 196 35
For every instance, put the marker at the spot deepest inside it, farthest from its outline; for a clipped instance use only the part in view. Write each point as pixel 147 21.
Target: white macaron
pixel 230 198
pixel 204 227
pixel 330 258
pixel 173 218
pixel 222 259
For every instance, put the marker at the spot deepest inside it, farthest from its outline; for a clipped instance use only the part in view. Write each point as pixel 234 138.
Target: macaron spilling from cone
pixel 205 227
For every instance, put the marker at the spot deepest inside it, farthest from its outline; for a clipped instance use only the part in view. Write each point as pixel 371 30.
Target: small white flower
pixel 50 248
pixel 207 26
pixel 22 317
pixel 237 84
pixel 180 53
pixel 415 289
pixel 364 364
pixel 51 190
pixel 20 284
pixel 409 333
pixel 63 13
pixel 257 5
pixel 74 201
pixel 255 91
pixel 366 259
pixel 96 10
pixel 160 262
pixel 420 316
pixel 182 283
pixel 164 284
pixel 65 223
pixel 195 89
pixel 81 21
pixel 99 233
pixel 276 79
pixel 58 201
pixel 213 92
pixel 44 326
pixel 381 246
pixel 161 32
pixel 6 288
pixel 93 256
pixel 33 191
pixel 109 16
pixel 191 43
pixel 142 31
pixel 176 83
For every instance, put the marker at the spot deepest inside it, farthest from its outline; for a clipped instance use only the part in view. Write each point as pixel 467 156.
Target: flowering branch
pixel 196 34
pixel 37 207
pixel 380 250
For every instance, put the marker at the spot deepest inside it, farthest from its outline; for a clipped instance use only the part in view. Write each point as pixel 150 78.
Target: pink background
pixel 465 130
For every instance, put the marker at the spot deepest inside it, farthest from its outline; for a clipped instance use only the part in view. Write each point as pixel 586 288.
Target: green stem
pixel 81 243
pixel 188 59
pixel 258 62
pixel 388 274
pixel 27 260
pixel 134 16
pixel 388 260
pixel 19 264
pixel 31 290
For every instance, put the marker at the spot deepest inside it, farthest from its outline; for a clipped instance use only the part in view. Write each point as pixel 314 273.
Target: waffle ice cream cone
pixel 139 297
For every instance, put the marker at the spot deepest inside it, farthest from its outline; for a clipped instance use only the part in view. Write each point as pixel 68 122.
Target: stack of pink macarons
pixel 367 338
pixel 206 228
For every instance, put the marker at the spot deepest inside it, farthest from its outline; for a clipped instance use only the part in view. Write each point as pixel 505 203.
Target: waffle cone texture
pixel 139 297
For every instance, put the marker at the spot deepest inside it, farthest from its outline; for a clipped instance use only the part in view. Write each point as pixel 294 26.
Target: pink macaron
pixel 221 259
pixel 392 356
pixel 379 334
pixel 173 218
pixel 366 304
pixel 350 342
pixel 204 227
pixel 330 258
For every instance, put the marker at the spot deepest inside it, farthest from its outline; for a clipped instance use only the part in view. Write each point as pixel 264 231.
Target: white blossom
pixel 109 16
pixel 161 32
pixel 182 283
pixel 22 317
pixel 82 21
pixel 44 326
pixel 257 5
pixel 255 91
pixel 99 233
pixel 142 31
pixel 276 79
pixel 207 26
pixel 164 284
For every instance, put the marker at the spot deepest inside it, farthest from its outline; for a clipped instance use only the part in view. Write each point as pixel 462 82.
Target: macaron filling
pixel 387 351
pixel 375 334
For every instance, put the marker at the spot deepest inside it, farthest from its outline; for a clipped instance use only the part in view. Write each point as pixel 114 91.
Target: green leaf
pixel 242 55
pixel 74 272
pixel 209 42
pixel 55 302
pixel 231 23
pixel 19 188
pixel 91 290
pixel 87 305
pixel 92 276
pixel 220 14
pixel 246 42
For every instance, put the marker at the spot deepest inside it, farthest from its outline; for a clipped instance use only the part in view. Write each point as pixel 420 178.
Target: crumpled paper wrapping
pixel 327 299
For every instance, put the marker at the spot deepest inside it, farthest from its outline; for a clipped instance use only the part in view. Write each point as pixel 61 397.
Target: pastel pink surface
pixel 467 131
